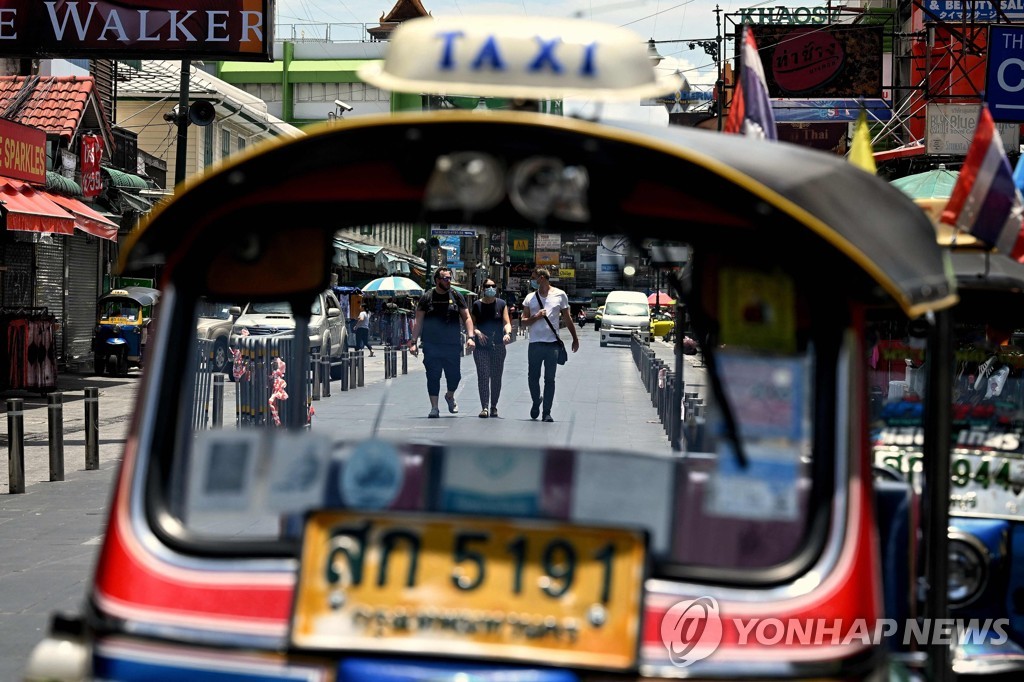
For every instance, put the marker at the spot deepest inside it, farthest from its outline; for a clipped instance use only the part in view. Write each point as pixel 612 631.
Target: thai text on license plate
pixel 479 588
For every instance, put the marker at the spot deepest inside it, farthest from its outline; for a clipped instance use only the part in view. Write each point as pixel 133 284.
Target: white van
pixel 625 312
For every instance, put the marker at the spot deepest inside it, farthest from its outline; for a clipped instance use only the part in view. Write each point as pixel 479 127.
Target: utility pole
pixel 182 153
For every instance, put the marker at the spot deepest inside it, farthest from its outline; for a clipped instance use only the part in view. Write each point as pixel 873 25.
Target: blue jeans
pixel 438 359
pixel 542 353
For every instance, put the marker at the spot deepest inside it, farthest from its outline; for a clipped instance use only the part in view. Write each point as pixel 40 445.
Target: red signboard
pixel 92 152
pixel 146 29
pixel 22 152
pixel 832 61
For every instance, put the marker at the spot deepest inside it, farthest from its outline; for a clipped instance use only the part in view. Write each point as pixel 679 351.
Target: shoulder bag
pixel 563 354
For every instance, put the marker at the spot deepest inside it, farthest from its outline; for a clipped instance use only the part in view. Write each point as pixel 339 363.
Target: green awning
pixel 122 180
pixel 58 183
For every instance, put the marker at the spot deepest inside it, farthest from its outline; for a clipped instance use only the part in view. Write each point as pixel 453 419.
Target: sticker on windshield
pixel 297 471
pixel 765 490
pixel 757 309
pixel 372 476
pixel 492 481
pixel 223 471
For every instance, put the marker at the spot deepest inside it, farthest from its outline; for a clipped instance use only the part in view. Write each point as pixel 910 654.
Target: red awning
pixel 30 210
pixel 87 219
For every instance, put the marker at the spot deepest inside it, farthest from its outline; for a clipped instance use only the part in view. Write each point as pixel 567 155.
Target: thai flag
pixel 986 202
pixel 751 110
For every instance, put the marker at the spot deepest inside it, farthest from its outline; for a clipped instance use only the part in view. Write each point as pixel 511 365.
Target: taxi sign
pixel 480 588
pixel 518 57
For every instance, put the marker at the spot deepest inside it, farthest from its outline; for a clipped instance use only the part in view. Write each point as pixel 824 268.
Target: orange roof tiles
pixel 55 104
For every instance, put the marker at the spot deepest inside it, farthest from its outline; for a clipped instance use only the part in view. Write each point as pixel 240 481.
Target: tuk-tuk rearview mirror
pixel 261 264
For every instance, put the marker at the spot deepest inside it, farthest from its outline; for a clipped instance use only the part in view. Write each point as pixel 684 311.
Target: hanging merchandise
pixel 31 359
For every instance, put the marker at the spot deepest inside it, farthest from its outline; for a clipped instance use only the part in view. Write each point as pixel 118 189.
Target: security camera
pixel 342 105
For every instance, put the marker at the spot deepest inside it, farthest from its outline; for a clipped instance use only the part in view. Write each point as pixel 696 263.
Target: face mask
pixel 490 291
pixel 533 284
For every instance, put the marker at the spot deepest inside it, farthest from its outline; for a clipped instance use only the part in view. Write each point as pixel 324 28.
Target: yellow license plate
pixel 478 588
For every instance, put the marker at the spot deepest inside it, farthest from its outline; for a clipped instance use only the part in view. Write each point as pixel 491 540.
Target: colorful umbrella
pixel 392 286
pixel 660 297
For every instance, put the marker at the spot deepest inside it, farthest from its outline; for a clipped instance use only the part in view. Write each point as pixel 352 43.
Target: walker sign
pixel 140 29
pixel 1004 77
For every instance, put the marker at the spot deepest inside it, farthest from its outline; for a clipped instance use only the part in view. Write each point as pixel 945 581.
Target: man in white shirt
pixel 553 304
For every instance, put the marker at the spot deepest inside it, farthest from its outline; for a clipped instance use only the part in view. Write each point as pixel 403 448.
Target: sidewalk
pixel 116 407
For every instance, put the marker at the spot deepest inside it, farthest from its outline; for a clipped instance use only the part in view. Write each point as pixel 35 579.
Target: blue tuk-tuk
pixel 122 329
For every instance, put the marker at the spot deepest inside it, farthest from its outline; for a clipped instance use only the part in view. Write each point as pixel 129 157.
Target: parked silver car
pixel 327 331
pixel 215 322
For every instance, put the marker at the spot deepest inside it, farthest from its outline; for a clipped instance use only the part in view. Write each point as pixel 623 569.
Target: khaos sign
pixel 141 29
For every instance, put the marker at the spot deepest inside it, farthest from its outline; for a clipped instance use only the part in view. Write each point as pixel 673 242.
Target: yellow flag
pixel 860 151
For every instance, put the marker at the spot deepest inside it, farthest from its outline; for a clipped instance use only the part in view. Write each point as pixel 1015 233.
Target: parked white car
pixel 328 334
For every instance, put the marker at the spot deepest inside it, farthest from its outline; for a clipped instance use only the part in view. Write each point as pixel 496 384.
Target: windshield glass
pixel 120 309
pixel 609 458
pixel 630 309
pixel 214 310
pixel 271 308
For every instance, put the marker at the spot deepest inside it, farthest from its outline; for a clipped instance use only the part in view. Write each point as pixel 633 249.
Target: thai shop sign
pixel 149 29
pixel 950 129
pixel 92 152
pixel 520 246
pixel 22 152
pixel 548 241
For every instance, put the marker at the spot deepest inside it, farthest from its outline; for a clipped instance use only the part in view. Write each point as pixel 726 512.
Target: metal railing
pixel 661 383
pixel 256 397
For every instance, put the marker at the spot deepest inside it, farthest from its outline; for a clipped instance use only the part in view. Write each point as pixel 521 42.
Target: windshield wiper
pixel 703 322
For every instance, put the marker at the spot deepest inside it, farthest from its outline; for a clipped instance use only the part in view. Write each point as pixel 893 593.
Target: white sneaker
pixel 452 405
pixel 434 413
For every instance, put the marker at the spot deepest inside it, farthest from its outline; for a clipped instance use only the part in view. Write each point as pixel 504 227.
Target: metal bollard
pixel 360 369
pixel 325 376
pixel 55 409
pixel 15 445
pixel 353 369
pixel 344 371
pixel 92 428
pixel 218 399
pixel 315 362
pixel 405 360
